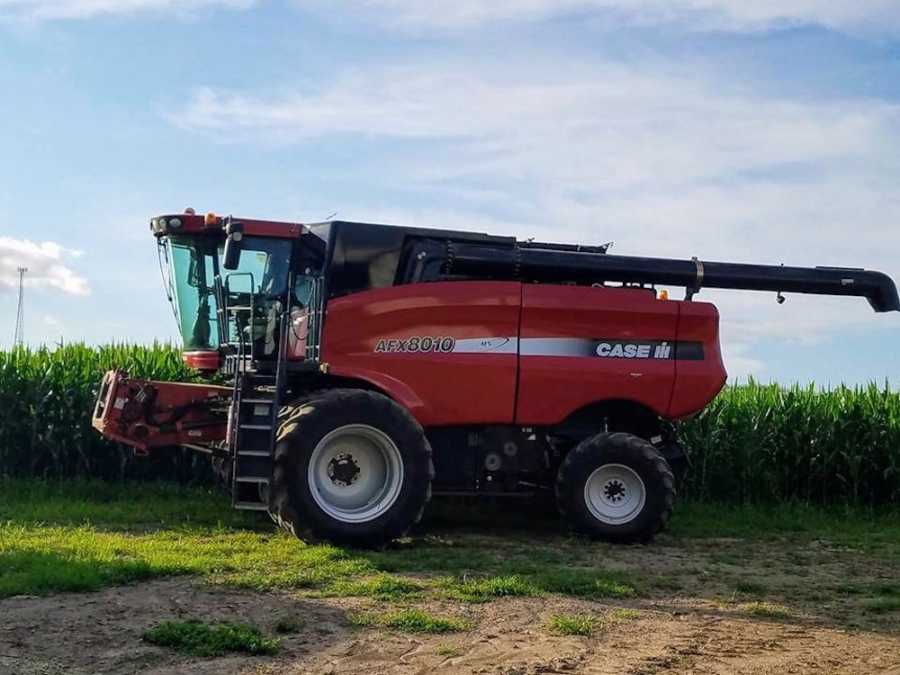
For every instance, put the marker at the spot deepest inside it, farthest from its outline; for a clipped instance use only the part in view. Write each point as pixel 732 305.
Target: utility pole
pixel 19 338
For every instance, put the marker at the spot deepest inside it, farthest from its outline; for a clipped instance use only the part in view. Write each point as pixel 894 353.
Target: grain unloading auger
pixel 368 366
pixel 562 266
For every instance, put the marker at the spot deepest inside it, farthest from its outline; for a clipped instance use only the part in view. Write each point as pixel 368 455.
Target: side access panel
pixel 579 345
pixel 445 350
pixel 700 378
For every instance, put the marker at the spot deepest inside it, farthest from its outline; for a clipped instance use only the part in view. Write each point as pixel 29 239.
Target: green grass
pixel 529 580
pixel 488 588
pixel 625 614
pixel 104 504
pixel 588 624
pixel 572 624
pixel 587 583
pixel 882 605
pixel 750 588
pixel 44 558
pixel 666 583
pixel 86 536
pixel 886 589
pixel 381 587
pixel 863 528
pixel 38 559
pixel 411 621
pixel 196 638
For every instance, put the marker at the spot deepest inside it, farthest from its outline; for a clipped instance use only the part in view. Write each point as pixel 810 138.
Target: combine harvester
pixel 370 365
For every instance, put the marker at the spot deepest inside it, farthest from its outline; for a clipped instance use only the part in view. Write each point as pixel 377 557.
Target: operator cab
pixel 236 287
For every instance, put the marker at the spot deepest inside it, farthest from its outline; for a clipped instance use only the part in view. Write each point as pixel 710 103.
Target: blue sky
pixel 765 132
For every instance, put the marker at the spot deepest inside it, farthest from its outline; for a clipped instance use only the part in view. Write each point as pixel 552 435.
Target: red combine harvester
pixel 370 365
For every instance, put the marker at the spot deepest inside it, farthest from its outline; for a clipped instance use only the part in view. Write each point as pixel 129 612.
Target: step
pixel 257 427
pixel 250 479
pixel 260 413
pixel 253 453
pixel 256 384
pixel 268 401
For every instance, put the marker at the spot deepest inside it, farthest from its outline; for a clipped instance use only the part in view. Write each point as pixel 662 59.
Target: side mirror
pixel 231 258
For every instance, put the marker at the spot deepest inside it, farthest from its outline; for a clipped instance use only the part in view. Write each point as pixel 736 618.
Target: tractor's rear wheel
pixel 352 467
pixel 616 487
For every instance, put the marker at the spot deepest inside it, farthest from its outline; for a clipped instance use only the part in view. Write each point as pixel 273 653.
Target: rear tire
pixel 615 487
pixel 351 466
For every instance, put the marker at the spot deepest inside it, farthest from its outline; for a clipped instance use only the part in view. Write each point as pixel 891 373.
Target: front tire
pixel 352 467
pixel 615 487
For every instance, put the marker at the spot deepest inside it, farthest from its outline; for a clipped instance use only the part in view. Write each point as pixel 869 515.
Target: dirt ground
pixel 101 633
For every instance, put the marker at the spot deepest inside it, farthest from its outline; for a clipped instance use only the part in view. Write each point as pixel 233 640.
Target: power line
pixel 19 338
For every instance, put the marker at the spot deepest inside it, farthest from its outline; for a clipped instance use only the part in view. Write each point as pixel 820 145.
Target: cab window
pixel 263 268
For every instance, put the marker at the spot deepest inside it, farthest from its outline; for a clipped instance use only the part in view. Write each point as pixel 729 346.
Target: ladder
pixel 253 415
pixel 253 419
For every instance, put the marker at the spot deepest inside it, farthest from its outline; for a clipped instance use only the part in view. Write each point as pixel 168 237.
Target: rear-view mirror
pixel 231 257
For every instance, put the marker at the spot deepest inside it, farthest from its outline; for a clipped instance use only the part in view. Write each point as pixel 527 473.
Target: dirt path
pixel 101 633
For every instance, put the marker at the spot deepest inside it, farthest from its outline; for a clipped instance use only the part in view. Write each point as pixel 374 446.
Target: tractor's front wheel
pixel 616 487
pixel 352 467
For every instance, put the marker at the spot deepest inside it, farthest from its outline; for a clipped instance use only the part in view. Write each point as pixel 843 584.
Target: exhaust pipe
pixel 556 264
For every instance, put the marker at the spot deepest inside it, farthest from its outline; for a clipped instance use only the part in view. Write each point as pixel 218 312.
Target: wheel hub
pixel 343 470
pixel 615 494
pixel 614 491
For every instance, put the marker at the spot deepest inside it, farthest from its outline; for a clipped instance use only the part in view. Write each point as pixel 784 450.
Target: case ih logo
pixel 648 349
pixel 634 350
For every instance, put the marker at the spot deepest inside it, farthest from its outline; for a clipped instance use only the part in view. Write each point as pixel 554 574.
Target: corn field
pixel 769 443
pixel 46 401
pixel 754 443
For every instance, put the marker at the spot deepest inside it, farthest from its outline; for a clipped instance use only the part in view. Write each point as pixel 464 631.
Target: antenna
pixel 19 338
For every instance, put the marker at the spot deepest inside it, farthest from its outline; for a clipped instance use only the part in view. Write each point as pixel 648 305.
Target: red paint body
pixel 439 389
pixel 515 386
pixel 697 382
pixel 204 361
pixel 552 387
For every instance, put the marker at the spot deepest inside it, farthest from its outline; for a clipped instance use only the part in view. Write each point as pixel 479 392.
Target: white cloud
pixel 46 263
pixel 604 129
pixel 728 15
pixel 41 10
